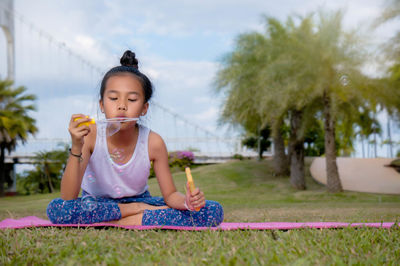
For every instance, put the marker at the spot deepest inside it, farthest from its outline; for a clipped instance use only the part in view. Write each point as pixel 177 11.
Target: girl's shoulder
pixel 156 145
pixel 155 139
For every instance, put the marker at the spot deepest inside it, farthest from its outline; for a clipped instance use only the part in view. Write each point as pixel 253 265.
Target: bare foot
pixel 132 213
pixel 139 207
pixel 131 220
pixel 152 207
pixel 128 209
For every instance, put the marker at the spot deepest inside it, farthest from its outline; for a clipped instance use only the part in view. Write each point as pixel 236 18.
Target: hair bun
pixel 129 59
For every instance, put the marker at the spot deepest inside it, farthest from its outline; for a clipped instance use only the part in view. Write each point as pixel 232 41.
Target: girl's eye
pixel 112 98
pixel 132 100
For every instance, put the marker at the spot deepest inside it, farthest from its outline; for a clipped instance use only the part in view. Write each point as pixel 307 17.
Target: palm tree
pixel 338 83
pixel 285 85
pixel 15 122
pixel 295 72
pixel 238 79
pixel 48 171
pixel 389 85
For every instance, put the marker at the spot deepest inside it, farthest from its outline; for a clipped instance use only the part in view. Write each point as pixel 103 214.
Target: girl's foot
pixel 136 219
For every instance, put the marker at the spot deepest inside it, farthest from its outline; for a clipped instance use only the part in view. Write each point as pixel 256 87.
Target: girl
pixel 113 171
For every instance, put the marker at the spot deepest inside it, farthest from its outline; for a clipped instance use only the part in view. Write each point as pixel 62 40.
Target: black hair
pixel 129 64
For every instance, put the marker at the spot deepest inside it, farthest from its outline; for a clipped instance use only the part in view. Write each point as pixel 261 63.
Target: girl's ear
pixel 101 106
pixel 145 108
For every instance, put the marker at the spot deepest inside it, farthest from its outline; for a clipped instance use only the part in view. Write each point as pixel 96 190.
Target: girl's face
pixel 123 97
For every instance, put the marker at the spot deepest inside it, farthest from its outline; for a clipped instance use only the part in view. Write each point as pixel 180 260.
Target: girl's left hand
pixel 196 199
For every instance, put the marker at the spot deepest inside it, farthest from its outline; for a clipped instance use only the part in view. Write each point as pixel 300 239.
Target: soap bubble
pixel 112 125
pixel 120 171
pixel 112 128
pixel 89 203
pixel 108 128
pixel 91 177
pixel 117 190
pixel 117 155
pixel 344 80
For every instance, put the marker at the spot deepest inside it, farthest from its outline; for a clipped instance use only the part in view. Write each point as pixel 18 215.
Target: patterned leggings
pixel 88 209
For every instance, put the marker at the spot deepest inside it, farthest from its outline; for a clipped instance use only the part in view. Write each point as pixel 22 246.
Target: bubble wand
pixel 108 120
pixel 191 183
pixel 111 122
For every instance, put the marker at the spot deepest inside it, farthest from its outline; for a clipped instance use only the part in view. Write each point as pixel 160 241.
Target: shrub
pixel 181 159
pixel 238 157
pixel 177 160
pixel 46 175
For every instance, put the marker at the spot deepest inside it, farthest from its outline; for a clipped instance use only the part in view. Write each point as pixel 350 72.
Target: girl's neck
pixel 124 137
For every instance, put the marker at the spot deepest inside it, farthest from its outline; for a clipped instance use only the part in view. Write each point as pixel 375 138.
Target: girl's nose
pixel 122 107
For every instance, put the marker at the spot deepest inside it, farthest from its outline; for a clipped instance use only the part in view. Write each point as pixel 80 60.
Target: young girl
pixel 113 170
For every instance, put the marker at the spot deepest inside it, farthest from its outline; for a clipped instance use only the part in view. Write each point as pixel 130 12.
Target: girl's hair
pixel 129 64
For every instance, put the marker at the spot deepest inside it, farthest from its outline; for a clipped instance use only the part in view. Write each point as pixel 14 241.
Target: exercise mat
pixel 33 221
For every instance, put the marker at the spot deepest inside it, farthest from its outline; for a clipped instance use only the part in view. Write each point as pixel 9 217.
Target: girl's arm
pixel 174 199
pixel 82 139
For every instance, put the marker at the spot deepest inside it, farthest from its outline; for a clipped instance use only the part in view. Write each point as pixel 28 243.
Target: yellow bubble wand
pixel 112 123
pixel 108 120
pixel 191 183
pixel 85 123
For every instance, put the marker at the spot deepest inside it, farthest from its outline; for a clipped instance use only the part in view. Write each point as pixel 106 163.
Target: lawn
pixel 249 192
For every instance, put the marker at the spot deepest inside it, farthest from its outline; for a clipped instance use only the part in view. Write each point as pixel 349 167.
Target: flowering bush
pixel 185 155
pixel 180 159
pixel 177 160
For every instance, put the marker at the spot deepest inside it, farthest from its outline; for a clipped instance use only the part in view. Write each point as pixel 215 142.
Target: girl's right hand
pixel 78 132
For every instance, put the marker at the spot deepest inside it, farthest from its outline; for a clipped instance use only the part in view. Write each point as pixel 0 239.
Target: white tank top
pixel 105 178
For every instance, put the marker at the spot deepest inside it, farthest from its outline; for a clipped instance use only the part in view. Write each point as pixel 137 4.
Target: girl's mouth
pixel 122 119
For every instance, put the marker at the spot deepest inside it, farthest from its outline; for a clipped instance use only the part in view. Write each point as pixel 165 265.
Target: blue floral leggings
pixel 88 209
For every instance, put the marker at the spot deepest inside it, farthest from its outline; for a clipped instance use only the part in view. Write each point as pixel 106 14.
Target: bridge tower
pixel 7 24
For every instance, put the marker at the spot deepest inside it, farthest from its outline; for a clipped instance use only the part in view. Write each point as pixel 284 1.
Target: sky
pixel 179 45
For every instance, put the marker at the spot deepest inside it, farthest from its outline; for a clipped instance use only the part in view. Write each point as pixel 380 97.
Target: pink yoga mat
pixel 33 221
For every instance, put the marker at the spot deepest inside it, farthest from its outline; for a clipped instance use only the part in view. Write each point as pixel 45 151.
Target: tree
pixel 390 84
pixel 314 138
pixel 260 142
pixel 259 78
pixel 333 64
pixel 15 122
pixel 46 176
pixel 286 87
pixel 237 78
pixel 302 69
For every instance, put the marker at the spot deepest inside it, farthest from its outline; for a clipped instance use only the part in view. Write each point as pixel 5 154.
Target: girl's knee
pixel 214 210
pixel 56 211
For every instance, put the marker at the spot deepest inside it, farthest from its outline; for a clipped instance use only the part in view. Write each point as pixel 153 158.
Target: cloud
pixel 177 43
pixel 187 18
pixel 53 114
pixel 181 75
pixel 117 25
pixel 203 99
pixel 208 115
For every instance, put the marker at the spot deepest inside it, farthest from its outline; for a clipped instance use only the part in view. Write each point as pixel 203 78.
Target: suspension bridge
pixel 64 82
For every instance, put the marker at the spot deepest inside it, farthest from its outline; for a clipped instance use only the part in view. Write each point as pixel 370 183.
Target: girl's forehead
pixel 123 83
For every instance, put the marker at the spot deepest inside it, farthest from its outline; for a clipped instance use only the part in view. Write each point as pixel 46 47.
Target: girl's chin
pixel 127 125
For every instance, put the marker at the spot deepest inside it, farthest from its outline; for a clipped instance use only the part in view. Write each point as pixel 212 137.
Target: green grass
pixel 248 192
